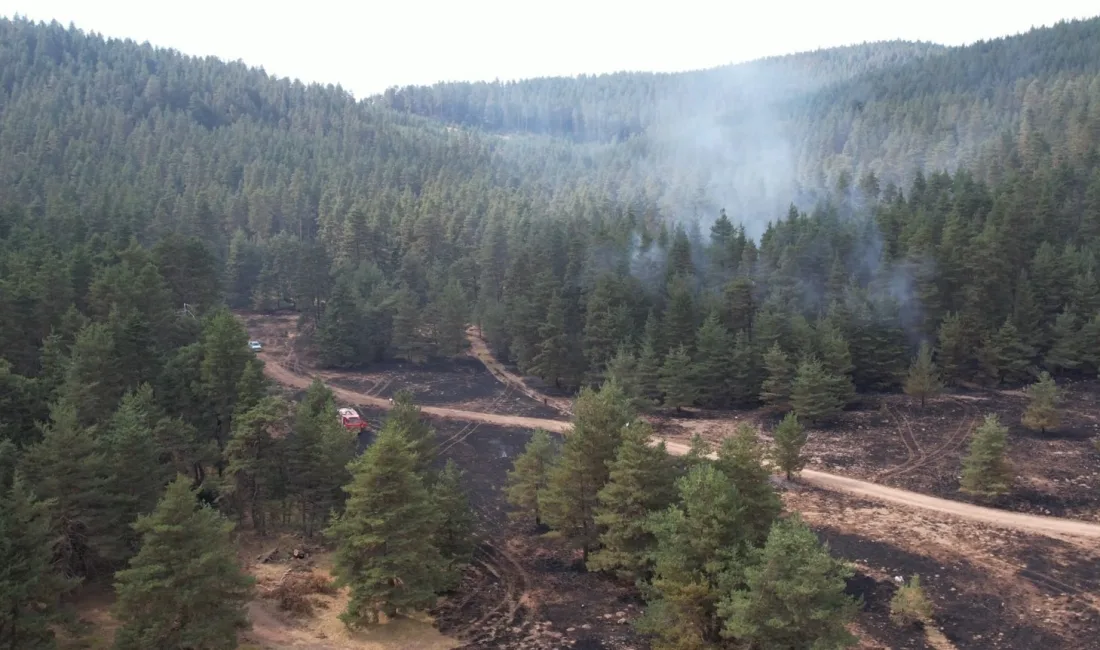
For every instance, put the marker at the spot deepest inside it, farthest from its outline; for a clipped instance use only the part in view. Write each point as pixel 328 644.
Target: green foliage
pixel 678 380
pixel 640 481
pixel 29 585
pixel 67 469
pixel 789 438
pixel 741 458
pixel 417 430
pixel 318 450
pixel 697 539
pixel 184 588
pixel 909 604
pixel 814 396
pixel 923 380
pixel 454 534
pixel 986 471
pixel 254 457
pixel 552 363
pixel 1042 412
pixel 776 390
pixel 385 550
pixel 713 362
pixel 793 595
pixel 529 477
pixel 570 500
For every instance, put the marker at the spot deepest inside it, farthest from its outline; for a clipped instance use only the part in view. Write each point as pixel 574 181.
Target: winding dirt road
pixel 1048 526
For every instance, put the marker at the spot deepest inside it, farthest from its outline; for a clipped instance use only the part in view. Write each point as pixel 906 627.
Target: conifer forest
pixel 790 354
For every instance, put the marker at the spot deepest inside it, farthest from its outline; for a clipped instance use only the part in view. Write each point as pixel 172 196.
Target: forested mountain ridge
pixel 616 106
pixel 383 228
pixel 141 191
pixel 807 119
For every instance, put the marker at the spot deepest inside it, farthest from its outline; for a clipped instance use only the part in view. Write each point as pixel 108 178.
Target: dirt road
pixel 1049 526
pixel 279 373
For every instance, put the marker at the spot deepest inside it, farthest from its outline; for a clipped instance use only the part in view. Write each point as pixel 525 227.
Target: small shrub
pixel 909 605
pixel 294 591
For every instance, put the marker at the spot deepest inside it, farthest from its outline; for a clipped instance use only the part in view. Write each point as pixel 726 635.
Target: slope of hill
pixel 749 137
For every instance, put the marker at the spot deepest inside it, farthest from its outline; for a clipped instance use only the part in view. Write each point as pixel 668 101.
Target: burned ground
pixel 523 591
pixel 461 383
pixel 890 439
pixel 991 588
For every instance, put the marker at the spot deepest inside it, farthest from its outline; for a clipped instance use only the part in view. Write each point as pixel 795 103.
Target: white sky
pixel 369 45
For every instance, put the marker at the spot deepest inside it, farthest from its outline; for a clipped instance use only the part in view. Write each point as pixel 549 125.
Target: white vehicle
pixel 255 346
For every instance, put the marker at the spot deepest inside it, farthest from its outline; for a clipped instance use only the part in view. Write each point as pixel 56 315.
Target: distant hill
pixel 750 136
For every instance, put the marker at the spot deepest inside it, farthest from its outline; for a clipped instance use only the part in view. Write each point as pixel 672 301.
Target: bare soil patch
pixel 889 439
pixel 992 588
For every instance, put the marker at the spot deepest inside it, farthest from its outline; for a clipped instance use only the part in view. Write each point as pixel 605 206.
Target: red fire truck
pixel 349 417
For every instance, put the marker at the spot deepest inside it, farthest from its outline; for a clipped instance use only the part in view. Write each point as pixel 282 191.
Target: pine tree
pixel 679 322
pixel 552 361
pixel 986 471
pixel 318 449
pixel 449 313
pixel 696 539
pixel 923 380
pixel 570 500
pixel 650 360
pixel 779 374
pixel 92 375
pixel 30 585
pixel 66 468
pixel 699 451
pixel 1066 350
pixel 529 477
pixel 251 387
pixel 454 535
pixel 909 604
pixel 837 362
pixel 793 595
pixel 678 380
pixel 954 348
pixel 406 338
pixel 1004 357
pixel 712 367
pixel 385 551
pixel 417 430
pixel 338 336
pixel 741 458
pixel 133 452
pixel 790 437
pixel 641 480
pixel 744 381
pixel 253 457
pixel 1042 413
pixel 224 355
pixel 812 393
pixel 623 370
pixel 184 588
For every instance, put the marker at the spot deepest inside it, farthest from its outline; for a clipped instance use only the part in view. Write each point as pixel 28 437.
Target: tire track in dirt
pixel 1049 526
pixel 914 454
pixel 953 442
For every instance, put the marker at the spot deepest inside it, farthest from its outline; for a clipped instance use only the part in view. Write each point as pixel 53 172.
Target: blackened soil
pixel 523 591
pixel 460 383
pixel 969 607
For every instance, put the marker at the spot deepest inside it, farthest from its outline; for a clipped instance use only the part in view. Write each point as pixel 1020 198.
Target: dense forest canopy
pixel 790 232
pixel 383 227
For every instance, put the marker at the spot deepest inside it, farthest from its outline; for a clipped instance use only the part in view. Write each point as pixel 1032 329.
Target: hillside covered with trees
pixel 610 227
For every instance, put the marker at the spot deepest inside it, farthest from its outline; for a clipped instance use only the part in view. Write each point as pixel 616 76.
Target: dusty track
pixel 276 371
pixel 1049 526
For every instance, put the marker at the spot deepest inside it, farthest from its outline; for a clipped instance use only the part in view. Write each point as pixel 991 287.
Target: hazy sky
pixel 370 45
